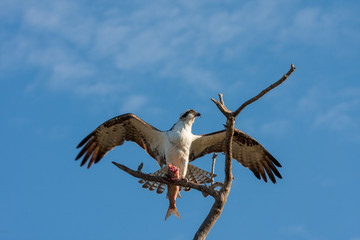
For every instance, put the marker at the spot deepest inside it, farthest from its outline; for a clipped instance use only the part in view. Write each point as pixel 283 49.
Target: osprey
pixel 177 146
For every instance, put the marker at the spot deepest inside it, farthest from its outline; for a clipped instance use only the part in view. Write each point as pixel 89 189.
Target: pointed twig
pixel 268 89
pixel 140 167
pixel 221 99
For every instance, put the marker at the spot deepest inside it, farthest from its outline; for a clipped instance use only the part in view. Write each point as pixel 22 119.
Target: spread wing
pixel 246 150
pixel 115 131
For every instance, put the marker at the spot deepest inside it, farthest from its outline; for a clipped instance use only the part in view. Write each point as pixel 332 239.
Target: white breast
pixel 178 148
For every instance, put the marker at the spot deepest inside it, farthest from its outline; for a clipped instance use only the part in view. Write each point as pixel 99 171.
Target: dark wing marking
pixel 246 150
pixel 114 132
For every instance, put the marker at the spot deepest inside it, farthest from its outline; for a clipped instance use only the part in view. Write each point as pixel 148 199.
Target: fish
pixel 173 191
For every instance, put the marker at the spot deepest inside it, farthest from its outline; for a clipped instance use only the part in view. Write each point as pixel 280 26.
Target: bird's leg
pixel 170 177
pixel 185 179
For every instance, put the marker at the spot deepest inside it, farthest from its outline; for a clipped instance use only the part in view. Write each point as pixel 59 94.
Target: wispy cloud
pixel 275 128
pixel 336 110
pixel 299 230
pixel 200 77
pixel 295 229
pixel 133 103
pixel 321 27
pixel 339 116
pixel 64 20
pixel 169 40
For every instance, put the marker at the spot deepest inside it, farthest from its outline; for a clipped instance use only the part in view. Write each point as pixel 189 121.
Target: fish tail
pixel 172 211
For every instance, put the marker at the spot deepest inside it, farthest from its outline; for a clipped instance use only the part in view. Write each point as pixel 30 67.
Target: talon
pixel 170 178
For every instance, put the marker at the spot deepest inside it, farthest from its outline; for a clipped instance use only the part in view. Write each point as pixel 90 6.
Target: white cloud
pixel 133 103
pixel 338 117
pixel 319 26
pixel 200 78
pixel 299 230
pixel 310 102
pixel 275 128
pixel 67 73
pixel 63 20
pixel 335 110
pixel 43 19
pixel 295 229
pixel 99 88
pixel 167 39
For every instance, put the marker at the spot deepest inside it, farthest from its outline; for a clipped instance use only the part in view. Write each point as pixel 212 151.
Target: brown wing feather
pixel 246 150
pixel 114 132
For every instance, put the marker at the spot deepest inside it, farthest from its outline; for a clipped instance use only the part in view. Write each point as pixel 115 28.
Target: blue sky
pixel 68 66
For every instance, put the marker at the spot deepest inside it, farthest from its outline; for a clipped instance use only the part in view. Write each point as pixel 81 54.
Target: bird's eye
pixel 185 115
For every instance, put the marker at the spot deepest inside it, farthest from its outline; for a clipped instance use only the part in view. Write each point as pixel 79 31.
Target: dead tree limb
pixel 220 196
pixel 220 201
pixel 268 89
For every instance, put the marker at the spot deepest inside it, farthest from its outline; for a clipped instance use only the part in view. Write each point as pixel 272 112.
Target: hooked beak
pixel 197 115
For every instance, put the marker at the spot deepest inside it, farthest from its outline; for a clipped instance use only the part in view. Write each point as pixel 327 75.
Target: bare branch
pixel 219 204
pixel 221 107
pixel 213 186
pixel 230 127
pixel 221 99
pixel 140 167
pixel 220 104
pixel 262 93
pixel 182 182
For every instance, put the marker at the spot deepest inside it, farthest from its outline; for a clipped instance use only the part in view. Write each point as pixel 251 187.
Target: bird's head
pixel 189 115
pixel 186 120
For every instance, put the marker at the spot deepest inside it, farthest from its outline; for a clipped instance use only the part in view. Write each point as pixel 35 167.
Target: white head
pixel 186 120
pixel 189 116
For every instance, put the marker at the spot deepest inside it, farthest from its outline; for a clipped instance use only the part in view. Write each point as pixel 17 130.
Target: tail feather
pixel 160 188
pixel 172 211
pixel 198 175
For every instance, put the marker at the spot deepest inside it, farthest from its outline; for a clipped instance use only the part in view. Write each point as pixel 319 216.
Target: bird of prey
pixel 177 146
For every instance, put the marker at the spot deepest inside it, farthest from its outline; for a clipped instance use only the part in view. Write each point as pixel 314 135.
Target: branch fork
pixel 221 195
